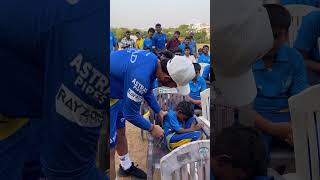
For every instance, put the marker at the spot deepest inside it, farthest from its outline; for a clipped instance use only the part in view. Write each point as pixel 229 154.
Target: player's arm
pixel 152 101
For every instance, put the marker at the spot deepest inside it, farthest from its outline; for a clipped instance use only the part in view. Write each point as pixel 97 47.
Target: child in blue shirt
pixel 197 85
pixel 180 127
pixel 279 75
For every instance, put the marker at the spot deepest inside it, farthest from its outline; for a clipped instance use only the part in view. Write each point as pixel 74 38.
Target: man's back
pixel 76 90
pixel 130 64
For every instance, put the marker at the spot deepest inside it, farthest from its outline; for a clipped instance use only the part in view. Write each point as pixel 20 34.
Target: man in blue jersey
pixel 75 89
pixel 130 84
pixel 47 45
pixel 308 43
pixel 159 39
pixel 113 42
pixel 205 57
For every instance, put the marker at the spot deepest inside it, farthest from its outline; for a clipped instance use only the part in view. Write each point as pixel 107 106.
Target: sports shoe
pixel 132 171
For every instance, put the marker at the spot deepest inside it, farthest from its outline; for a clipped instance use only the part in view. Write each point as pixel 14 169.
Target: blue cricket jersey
pixel 132 74
pixel 159 40
pixel 196 87
pixel 76 88
pixel 147 43
pixel 206 73
pixel 204 59
pixel 171 123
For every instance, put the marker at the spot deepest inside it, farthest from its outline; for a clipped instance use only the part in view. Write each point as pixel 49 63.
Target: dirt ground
pixel 137 148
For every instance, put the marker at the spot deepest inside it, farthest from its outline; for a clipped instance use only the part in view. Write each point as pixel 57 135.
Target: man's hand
pixel 197 127
pixel 161 115
pixel 157 131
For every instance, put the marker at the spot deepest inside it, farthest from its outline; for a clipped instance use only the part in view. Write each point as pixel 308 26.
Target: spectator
pixel 308 43
pixel 180 127
pixel 127 42
pixel 193 44
pixel 204 58
pixel 177 52
pixel 206 73
pixel 279 75
pixel 197 85
pixel 174 42
pixel 188 56
pixel 139 41
pixel 239 153
pixel 200 52
pixel 185 43
pixel 315 3
pixel 113 42
pixel 159 39
pixel 147 43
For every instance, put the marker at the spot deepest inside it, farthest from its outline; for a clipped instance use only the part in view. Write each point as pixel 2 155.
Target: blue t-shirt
pixel 147 43
pixel 315 3
pixel 308 40
pixel 171 123
pixel 196 87
pixel 113 41
pixel 206 73
pixel 76 87
pixel 132 74
pixel 159 40
pixel 182 46
pixel 286 78
pixel 204 59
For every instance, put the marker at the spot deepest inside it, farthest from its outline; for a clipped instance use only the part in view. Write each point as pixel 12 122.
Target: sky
pixel 143 14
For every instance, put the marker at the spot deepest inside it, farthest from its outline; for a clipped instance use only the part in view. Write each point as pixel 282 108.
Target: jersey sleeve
pixel 152 101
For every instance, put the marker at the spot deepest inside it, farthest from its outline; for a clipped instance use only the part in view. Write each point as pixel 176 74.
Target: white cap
pixel 181 70
pixel 240 38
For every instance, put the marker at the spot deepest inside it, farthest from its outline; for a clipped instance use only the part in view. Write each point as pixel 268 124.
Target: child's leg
pixel 179 139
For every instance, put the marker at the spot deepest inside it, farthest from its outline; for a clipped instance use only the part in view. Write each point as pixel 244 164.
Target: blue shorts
pixel 13 153
pixel 115 117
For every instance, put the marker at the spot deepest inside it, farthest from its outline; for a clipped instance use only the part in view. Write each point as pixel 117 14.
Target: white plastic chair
pixel 188 162
pixel 205 103
pixel 305 118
